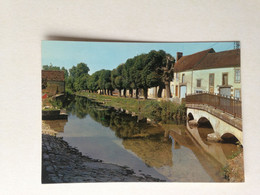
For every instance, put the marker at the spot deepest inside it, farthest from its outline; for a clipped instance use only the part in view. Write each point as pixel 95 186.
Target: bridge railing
pixel 226 104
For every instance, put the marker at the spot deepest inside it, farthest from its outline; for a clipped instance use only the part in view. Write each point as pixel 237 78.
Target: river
pixel 167 151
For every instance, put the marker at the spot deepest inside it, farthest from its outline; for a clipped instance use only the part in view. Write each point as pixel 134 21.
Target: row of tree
pixel 144 71
pixel 154 69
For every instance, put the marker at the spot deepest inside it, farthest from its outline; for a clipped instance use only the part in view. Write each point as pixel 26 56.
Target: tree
pixel 104 81
pixel 79 70
pixel 117 79
pixel 126 76
pixel 168 74
pixel 50 67
pixel 66 73
pixel 79 76
pixel 135 73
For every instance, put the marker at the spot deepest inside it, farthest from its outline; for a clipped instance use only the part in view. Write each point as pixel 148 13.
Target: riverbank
pixel 150 108
pixel 234 171
pixel 62 163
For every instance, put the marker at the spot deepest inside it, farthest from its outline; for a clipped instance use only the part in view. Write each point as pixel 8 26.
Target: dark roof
pixel 222 59
pixel 53 75
pixel 188 62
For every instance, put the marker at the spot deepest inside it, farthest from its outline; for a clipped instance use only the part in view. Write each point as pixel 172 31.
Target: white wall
pixel 204 76
pixel 190 80
pixel 178 81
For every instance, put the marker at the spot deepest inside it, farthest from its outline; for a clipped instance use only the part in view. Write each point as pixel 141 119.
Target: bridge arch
pixel 204 129
pixel 229 138
pixel 220 127
pixel 190 116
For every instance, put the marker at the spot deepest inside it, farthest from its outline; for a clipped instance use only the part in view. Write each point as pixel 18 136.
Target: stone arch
pixel 190 116
pixel 205 128
pixel 229 138
pixel 204 121
pixel 220 127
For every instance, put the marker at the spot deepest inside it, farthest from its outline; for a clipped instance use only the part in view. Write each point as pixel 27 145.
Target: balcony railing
pixel 226 104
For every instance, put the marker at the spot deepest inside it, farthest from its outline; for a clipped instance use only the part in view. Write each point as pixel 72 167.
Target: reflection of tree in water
pixel 124 125
pixel 78 107
pixel 154 152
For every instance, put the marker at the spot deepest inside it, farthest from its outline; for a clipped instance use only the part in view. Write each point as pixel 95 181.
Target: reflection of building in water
pixel 52 127
pixel 154 153
pixel 209 164
pixel 216 150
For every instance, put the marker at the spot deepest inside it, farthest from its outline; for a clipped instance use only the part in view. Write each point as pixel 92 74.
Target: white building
pixel 207 71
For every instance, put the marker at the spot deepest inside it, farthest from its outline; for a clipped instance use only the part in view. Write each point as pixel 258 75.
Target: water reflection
pixel 124 125
pixel 167 151
pixel 220 151
pixel 53 127
pixel 154 152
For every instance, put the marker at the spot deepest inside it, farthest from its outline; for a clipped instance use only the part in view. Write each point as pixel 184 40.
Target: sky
pixel 108 55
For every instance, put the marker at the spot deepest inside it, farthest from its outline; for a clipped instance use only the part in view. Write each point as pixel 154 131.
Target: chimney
pixel 178 56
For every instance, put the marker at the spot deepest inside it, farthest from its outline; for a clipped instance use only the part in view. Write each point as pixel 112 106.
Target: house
pixel 207 71
pixel 54 80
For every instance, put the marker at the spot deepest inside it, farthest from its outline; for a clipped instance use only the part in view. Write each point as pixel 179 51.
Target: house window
pixel 237 75
pixel 225 79
pixel 182 78
pixel 177 76
pixel 237 94
pixel 198 82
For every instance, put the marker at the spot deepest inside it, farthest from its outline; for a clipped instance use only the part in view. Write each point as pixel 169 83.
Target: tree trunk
pixel 131 92
pixel 124 92
pixel 136 93
pixel 119 94
pixel 145 93
pixel 167 89
pixel 160 91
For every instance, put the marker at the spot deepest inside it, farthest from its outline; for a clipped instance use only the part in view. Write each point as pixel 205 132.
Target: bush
pixel 56 104
pixel 154 110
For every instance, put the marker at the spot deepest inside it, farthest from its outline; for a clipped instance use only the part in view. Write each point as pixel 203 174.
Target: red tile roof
pixel 222 59
pixel 208 59
pixel 188 62
pixel 53 75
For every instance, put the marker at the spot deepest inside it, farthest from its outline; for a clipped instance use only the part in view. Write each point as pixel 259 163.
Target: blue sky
pixel 108 55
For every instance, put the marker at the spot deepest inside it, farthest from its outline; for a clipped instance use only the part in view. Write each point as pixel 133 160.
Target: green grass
pixel 153 109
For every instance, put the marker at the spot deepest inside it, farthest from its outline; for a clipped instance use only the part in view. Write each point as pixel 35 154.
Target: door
pixel 183 91
pixel 176 91
pixel 211 83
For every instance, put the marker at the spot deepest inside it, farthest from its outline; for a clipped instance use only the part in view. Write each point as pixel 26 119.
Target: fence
pixel 226 104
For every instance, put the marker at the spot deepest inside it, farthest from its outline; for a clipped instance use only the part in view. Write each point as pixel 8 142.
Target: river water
pixel 168 151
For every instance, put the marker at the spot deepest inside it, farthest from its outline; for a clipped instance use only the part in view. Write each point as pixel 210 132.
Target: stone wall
pixel 55 82
pixel 55 87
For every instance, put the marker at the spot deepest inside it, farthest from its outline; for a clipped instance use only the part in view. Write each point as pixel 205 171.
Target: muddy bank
pixel 63 164
pixel 234 171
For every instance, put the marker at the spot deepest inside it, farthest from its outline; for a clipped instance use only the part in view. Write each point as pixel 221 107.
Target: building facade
pixel 55 82
pixel 207 71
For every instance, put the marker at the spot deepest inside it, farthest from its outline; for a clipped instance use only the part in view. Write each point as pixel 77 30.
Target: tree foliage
pixel 154 69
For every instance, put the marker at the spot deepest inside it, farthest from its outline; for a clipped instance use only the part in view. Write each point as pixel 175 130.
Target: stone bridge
pixel 224 124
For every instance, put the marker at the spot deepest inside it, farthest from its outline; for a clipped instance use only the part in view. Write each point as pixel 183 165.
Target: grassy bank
pixel 153 109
